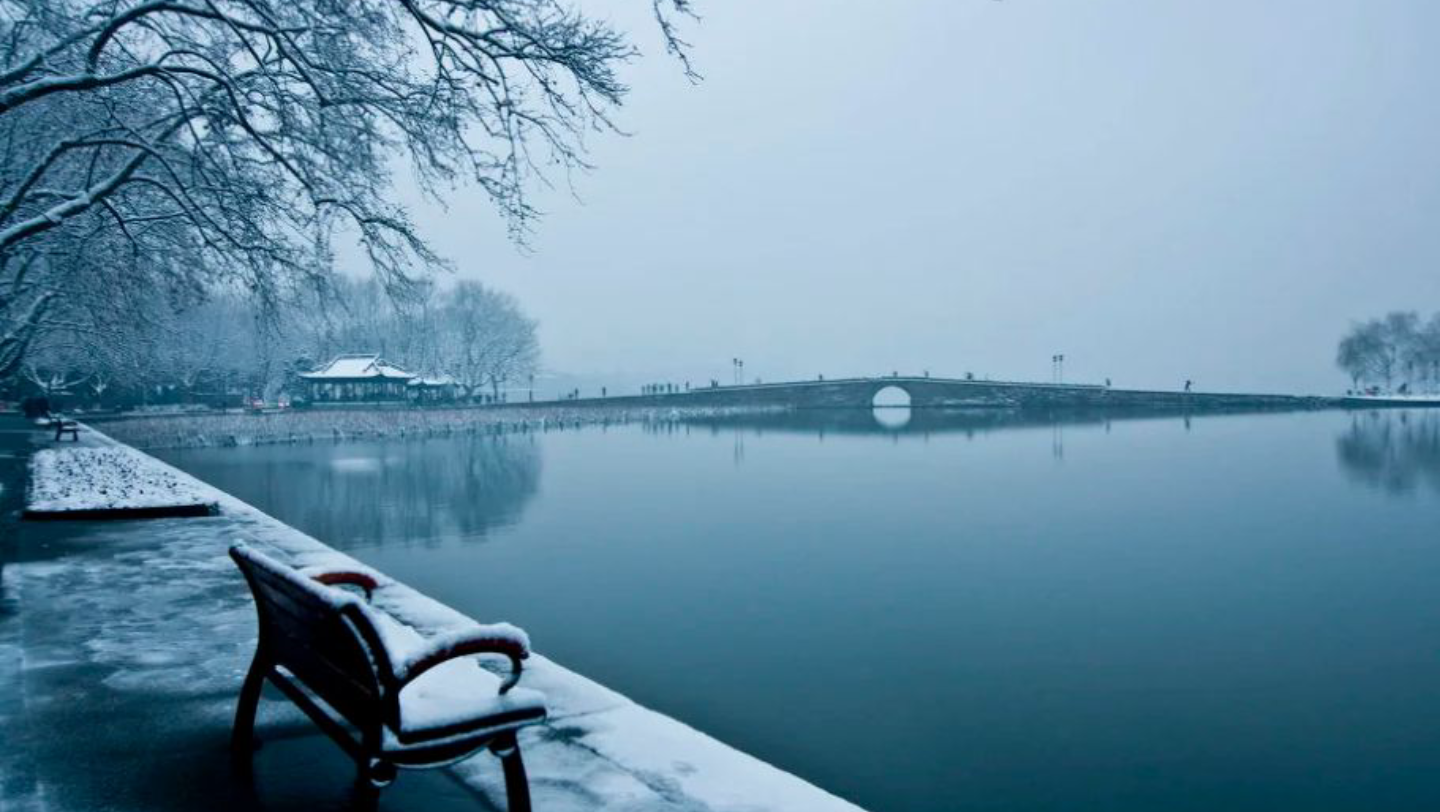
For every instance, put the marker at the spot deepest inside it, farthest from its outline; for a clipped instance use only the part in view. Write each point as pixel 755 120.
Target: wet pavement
pixel 96 716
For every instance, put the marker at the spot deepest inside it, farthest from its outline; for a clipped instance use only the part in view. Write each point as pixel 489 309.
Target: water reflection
pixel 1127 620
pixel 371 493
pixel 905 421
pixel 1396 452
pixel 893 418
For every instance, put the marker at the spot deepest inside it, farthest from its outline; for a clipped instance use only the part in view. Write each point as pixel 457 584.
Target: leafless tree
pixel 1360 351
pixel 1423 353
pixel 485 339
pixel 1380 350
pixel 177 146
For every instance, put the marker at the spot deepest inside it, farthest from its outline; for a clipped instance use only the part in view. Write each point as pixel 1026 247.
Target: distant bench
pixel 414 702
pixel 64 427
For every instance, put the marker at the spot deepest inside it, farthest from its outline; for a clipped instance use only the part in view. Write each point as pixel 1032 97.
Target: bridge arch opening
pixel 891 397
pixel 891 407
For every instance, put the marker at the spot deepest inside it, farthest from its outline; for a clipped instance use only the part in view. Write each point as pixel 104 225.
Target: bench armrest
pixel 500 638
pixel 364 581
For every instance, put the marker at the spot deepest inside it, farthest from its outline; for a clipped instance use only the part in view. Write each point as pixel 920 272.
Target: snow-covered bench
pixel 415 702
pixel 64 427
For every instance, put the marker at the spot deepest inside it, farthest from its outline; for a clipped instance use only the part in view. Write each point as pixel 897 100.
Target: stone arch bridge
pixel 952 393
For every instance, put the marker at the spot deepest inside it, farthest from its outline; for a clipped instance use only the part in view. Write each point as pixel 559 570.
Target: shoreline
pixel 232 429
pixel 376 421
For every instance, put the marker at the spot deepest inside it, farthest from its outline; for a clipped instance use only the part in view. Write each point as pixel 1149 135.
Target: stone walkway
pixel 122 646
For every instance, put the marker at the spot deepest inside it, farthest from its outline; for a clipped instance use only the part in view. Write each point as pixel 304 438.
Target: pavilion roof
pixel 355 367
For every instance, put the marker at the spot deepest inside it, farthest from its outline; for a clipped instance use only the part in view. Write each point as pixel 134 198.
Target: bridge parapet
pixel 853 393
pixel 952 393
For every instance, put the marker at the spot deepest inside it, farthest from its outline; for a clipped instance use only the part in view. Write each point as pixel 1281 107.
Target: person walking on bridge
pixel 1188 384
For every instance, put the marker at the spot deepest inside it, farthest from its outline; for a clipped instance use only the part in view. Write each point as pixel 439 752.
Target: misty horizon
pixel 1210 192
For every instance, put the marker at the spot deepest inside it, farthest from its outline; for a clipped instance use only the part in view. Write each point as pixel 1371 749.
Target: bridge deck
pixel 954 393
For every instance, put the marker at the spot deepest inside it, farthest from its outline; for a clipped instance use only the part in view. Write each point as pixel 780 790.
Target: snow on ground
pixel 113 478
pixel 1417 397
pixel 167 612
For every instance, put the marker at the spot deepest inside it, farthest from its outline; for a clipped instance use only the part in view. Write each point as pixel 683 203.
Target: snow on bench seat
pixel 109 482
pixel 450 694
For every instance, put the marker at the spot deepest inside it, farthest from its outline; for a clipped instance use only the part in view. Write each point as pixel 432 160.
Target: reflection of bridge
pixel 822 422
pixel 950 393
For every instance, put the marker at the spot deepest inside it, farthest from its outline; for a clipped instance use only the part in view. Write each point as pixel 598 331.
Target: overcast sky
pixel 1159 189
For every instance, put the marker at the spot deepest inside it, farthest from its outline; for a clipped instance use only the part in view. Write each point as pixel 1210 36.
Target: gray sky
pixel 1160 189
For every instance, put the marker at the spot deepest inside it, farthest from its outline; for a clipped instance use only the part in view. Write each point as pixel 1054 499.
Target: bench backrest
pixel 320 634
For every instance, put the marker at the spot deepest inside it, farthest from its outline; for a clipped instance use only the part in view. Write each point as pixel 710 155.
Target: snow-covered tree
pixel 1423 354
pixel 1396 346
pixel 172 147
pixel 485 338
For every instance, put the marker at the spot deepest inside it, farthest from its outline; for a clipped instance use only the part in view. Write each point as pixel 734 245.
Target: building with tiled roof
pixel 357 377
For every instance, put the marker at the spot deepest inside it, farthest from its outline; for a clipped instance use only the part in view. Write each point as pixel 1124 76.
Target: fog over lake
pixel 1161 191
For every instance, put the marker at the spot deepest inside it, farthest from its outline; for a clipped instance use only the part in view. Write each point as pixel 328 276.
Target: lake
pixel 936 611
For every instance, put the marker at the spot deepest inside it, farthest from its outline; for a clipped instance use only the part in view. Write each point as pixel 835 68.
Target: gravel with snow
pixel 112 478
pixel 308 425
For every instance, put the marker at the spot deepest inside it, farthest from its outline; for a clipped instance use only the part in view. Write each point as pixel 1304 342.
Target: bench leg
pixel 377 773
pixel 517 786
pixel 242 735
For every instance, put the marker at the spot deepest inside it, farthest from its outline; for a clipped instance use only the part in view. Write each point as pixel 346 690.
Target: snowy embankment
pixel 598 751
pixel 1419 399
pixel 84 482
pixel 228 429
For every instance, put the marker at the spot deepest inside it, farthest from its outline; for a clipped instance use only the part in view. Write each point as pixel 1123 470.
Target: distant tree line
pixel 225 348
pixel 1398 352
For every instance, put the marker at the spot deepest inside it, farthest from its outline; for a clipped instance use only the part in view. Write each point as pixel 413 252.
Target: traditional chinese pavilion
pixel 356 378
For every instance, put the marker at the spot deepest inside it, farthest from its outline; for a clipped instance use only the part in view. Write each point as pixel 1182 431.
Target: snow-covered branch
pixel 178 147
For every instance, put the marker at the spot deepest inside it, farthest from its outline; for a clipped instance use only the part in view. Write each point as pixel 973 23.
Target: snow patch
pixel 1418 398
pixel 110 478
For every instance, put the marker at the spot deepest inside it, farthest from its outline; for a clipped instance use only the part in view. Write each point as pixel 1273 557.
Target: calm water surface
pixel 962 612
